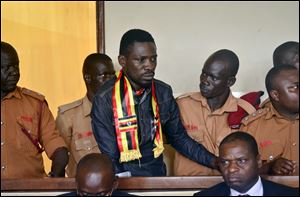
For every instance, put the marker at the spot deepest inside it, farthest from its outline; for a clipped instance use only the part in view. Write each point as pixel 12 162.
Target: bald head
pixel 287 53
pixel 95 174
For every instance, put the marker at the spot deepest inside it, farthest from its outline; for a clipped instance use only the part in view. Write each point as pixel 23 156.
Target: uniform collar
pixel 87 106
pixel 16 93
pixel 229 106
pixel 273 112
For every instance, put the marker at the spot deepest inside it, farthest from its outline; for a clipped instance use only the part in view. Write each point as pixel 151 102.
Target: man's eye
pixel 224 162
pixel 241 161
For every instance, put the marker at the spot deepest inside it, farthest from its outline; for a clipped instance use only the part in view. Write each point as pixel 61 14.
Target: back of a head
pixel 273 73
pixel 132 36
pixel 242 136
pixel 228 56
pixel 285 53
pixel 93 59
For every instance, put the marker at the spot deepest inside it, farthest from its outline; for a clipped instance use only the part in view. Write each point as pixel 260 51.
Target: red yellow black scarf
pixel 126 120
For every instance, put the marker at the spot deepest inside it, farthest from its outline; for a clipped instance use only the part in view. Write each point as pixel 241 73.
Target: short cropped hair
pixel 273 73
pixel 243 136
pixel 132 36
pixel 282 50
pixel 95 162
pixel 98 57
pixel 228 56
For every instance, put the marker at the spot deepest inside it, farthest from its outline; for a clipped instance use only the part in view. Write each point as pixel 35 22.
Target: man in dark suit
pixel 239 162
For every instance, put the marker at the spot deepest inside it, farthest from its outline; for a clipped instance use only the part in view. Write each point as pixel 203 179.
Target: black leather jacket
pixel 104 130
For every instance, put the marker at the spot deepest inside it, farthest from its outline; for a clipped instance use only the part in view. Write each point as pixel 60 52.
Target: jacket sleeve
pixel 178 137
pixel 104 131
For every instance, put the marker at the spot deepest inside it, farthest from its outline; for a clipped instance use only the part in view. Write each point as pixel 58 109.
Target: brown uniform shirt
pixel 274 134
pixel 74 123
pixel 24 108
pixel 206 127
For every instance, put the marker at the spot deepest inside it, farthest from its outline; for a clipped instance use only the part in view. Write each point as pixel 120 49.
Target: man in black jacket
pixel 131 111
pixel 239 162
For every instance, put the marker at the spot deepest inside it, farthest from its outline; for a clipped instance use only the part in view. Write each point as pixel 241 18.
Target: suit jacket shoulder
pixel 220 189
pixel 275 189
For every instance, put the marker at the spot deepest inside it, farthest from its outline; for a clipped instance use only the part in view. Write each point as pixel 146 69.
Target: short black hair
pixel 227 56
pixel 7 48
pixel 132 36
pixel 273 73
pixel 95 162
pixel 280 52
pixel 243 136
pixel 94 57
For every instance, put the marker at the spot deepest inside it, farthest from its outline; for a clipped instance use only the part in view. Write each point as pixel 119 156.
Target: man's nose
pixel 150 65
pixel 233 167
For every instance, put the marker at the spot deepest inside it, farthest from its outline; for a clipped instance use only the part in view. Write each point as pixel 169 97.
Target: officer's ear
pixel 87 78
pixel 122 60
pixel 231 80
pixel 274 94
pixel 259 161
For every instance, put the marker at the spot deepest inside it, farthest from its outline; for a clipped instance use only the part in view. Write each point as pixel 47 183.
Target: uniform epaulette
pixel 254 116
pixel 185 95
pixel 33 94
pixel 66 107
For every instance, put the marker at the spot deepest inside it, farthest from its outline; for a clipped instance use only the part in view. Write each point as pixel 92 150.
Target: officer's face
pixel 100 72
pixel 139 64
pixel 213 79
pixel 238 165
pixel 10 74
pixel 287 88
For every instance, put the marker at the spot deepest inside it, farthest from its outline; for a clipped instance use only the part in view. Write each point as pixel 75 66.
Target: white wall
pixel 186 33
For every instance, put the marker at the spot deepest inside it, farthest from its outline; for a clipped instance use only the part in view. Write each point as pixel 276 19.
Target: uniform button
pixel 89 148
pixel 254 114
pixel 246 118
pixel 2 167
pixel 2 143
pixel 271 158
pixel 1 123
pixel 294 144
pixel 29 131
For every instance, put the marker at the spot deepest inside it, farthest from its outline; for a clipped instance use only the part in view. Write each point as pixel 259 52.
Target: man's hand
pixel 59 159
pixel 282 166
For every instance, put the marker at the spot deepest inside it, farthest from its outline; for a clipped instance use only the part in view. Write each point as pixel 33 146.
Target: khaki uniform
pixel 274 134
pixel 25 109
pixel 74 123
pixel 206 127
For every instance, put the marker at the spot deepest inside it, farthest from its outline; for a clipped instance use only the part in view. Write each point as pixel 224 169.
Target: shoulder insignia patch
pixel 254 116
pixel 33 94
pixel 66 107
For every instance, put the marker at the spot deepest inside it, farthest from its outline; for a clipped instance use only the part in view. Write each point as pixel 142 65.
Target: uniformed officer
pixel 288 54
pixel 27 126
pixel 276 125
pixel 73 119
pixel 205 113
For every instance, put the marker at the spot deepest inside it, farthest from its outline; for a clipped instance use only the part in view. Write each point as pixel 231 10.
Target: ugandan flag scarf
pixel 126 123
